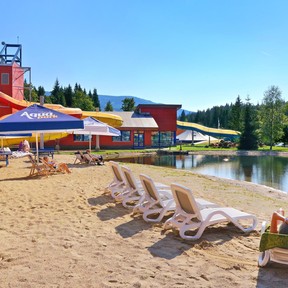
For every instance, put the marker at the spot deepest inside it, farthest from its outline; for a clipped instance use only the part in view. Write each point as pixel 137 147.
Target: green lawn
pixel 185 147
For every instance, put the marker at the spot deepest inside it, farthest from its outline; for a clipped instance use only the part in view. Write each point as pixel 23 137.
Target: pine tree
pixel 68 95
pixel 128 104
pixel 108 106
pixel 95 99
pixel 236 122
pixel 182 116
pixel 248 138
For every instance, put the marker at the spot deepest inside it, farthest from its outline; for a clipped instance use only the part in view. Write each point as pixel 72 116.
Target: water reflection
pixel 271 171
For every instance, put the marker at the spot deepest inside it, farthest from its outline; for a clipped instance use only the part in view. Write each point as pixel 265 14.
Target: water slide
pixel 214 132
pixel 112 120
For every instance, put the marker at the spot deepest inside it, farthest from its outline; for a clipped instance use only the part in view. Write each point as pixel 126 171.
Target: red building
pixel 11 75
pixel 149 126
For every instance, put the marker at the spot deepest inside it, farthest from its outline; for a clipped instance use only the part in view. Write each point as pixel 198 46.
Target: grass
pixel 183 147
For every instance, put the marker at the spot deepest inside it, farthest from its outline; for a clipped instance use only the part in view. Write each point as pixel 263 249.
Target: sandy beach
pixel 63 231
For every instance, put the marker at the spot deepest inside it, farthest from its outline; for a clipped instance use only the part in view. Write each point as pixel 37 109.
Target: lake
pixel 271 171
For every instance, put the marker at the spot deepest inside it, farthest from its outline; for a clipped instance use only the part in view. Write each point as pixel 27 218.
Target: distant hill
pixel 116 102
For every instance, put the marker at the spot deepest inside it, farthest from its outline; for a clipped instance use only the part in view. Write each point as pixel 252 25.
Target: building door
pixel 138 140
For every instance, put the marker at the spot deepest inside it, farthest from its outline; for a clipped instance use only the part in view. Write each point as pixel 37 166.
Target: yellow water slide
pixel 110 119
pixel 214 132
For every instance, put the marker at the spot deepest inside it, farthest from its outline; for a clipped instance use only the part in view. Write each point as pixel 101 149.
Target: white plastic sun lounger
pixel 188 216
pixel 275 254
pixel 117 186
pixel 134 192
pixel 158 201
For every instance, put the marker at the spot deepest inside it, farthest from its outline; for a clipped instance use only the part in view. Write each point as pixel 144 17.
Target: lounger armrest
pixel 263 227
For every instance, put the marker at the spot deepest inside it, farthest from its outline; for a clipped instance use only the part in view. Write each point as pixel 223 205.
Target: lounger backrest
pixel 184 198
pixel 149 187
pixel 131 182
pixel 116 171
pixel 31 159
pixel 87 157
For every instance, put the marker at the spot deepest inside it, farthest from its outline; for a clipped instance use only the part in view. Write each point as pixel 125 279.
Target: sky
pixel 197 53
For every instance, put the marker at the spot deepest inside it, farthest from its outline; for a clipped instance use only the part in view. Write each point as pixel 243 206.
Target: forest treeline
pixel 76 97
pixel 264 123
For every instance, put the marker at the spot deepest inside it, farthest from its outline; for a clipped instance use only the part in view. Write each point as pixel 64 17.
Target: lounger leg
pixel 186 228
pixel 130 199
pixel 264 258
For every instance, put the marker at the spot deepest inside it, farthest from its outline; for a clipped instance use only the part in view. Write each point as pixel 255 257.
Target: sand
pixel 63 231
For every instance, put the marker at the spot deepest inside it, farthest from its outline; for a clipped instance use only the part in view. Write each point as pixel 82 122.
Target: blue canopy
pixel 36 118
pixel 15 135
pixel 39 119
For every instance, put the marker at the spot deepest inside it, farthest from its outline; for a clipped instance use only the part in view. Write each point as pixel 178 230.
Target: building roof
pixel 136 120
pixel 174 106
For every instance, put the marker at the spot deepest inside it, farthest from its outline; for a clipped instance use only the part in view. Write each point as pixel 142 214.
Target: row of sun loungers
pixel 154 200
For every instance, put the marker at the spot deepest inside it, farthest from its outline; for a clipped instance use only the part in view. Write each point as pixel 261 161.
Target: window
pixel 155 139
pixel 162 139
pixel 4 78
pixel 166 138
pixel 81 138
pixel 124 137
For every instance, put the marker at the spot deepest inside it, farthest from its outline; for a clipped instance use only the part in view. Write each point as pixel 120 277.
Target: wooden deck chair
pixel 92 158
pixel 188 216
pixel 37 169
pixel 79 158
pixel 55 167
pixel 118 185
pixel 89 159
pixel 134 191
pixel 273 247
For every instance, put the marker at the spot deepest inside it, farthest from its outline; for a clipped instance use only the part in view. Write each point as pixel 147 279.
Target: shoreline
pixel 63 231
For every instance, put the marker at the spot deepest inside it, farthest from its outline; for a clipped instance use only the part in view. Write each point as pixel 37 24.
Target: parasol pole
pixel 42 134
pixel 90 139
pixel 97 143
pixel 37 153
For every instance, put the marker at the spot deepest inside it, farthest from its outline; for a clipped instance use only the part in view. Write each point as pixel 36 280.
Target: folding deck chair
pixel 37 169
pixel 79 158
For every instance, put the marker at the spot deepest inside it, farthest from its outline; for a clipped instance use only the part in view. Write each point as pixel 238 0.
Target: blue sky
pixel 198 53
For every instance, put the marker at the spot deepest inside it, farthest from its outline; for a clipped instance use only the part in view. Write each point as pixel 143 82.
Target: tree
pixel 128 104
pixel 182 116
pixel 236 122
pixel 272 116
pixel 82 101
pixel 68 95
pixel 27 96
pixel 248 138
pixel 57 95
pixel 108 106
pixel 95 99
pixel 40 91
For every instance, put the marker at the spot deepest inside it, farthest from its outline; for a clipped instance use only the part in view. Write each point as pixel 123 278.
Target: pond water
pixel 271 171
